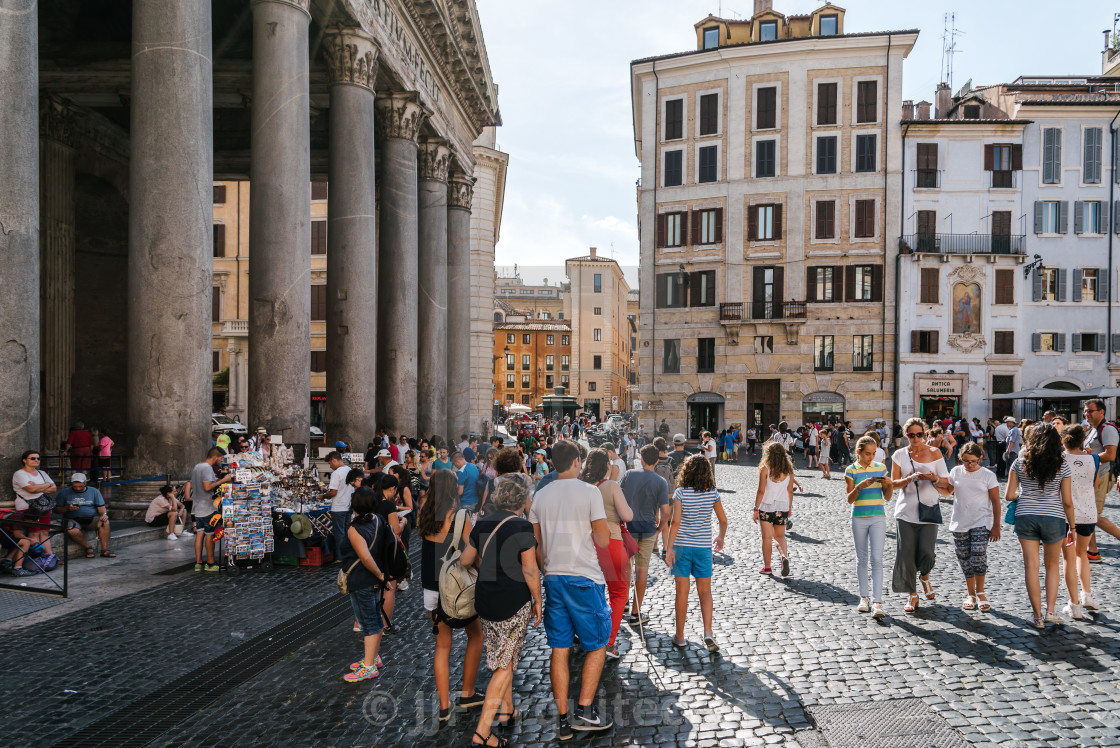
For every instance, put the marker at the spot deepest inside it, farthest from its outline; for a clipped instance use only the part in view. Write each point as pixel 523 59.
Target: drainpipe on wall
pixel 1111 229
pixel 897 277
pixel 886 188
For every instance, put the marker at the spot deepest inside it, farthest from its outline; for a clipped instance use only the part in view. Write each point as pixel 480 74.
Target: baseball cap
pixel 1009 419
pixel 385 453
pixel 340 444
pixel 78 478
pixel 678 439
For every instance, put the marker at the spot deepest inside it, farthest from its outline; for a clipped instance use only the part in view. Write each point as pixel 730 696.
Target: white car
pixel 220 423
pixel 316 433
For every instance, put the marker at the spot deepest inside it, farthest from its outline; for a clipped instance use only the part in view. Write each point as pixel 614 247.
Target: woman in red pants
pixel 612 559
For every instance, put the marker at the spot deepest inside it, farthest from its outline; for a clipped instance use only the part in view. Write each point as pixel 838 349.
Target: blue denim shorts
pixel 367 609
pixel 1035 527
pixel 692 562
pixel 576 606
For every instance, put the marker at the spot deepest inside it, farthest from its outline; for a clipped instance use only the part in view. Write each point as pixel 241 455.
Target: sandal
pixel 502 742
pixel 510 719
pixel 912 604
pixel 969 603
pixel 982 599
pixel 107 554
pixel 89 553
pixel 927 588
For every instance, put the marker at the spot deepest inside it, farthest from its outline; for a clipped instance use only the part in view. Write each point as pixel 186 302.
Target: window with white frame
pixel 765 217
pixel 597 334
pixel 707 226
pixel 673 229
pixel 1051 217
pixel 1089 279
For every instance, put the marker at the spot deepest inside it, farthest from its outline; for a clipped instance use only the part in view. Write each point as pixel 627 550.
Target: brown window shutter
pixel 219 194
pixel 876 282
pixel 719 225
pixel 661 291
pixel 779 285
pixel 778 221
pixel 1016 157
pixel 820 223
pixel 752 223
pixel 989 157
pixel 318 190
pixel 850 283
pixel 694 222
pixel 811 285
pixel 915 341
pixel 934 341
pixel 694 288
pixel 219 240
pixel 661 230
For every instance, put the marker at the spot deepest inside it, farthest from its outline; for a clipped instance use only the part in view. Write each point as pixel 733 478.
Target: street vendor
pixel 207 515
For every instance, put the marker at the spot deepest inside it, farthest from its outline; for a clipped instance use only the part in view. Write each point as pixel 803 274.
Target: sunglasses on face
pixel 971 462
pixel 915 434
pixel 32 459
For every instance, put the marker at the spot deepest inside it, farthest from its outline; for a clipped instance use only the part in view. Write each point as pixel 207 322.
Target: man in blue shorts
pixel 568 522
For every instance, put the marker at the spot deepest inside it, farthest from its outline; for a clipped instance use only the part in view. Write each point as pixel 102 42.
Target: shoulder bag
pixel 926 512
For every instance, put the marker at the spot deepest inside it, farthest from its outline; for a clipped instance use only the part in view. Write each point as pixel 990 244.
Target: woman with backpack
pixel 365 581
pixel 507 596
pixel 385 489
pixel 438 519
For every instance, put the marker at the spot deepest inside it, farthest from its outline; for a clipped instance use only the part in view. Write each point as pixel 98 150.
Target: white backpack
pixel 457 582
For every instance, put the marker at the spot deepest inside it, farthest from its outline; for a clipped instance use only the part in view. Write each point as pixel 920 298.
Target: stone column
pixel 280 222
pixel 431 382
pixel 399 117
pixel 459 195
pixel 56 265
pixel 351 57
pixel 170 235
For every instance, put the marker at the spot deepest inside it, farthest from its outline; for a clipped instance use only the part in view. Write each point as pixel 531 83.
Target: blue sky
pixel 563 70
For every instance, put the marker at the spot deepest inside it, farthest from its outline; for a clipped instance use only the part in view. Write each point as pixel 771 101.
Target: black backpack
pixel 392 556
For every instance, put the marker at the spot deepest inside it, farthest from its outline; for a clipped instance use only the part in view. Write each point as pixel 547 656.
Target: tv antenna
pixel 949 36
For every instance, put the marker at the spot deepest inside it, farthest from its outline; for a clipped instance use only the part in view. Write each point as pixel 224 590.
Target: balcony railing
pixel 778 310
pixel 731 312
pixel 964 244
pixel 925 179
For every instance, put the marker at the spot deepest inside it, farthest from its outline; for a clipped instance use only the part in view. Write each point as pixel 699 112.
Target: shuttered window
pixel 1091 159
pixel 765 158
pixel 825 284
pixel 705 355
pixel 927 165
pixel 670 294
pixel 930 286
pixel 672 229
pixel 318 190
pixel 825 224
pixel 1005 287
pixel 866 152
pixel 709 114
pixel 764 222
pixel 766 108
pixel 674 168
pixel 867 105
pixel 1051 155
pixel 318 361
pixel 826 103
pixel 1004 342
pixel 702 288
pixel 216 303
pixel 318 237
pixel 219 240
pixel 923 341
pixel 865 218
pixel 826 155
pixel 219 194
pixel 707 226
pixel 708 168
pixel 318 303
pixel 215 361
pixel 674 119
pixel 863 283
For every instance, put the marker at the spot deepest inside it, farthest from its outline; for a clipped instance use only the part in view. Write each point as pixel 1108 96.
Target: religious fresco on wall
pixel 966 308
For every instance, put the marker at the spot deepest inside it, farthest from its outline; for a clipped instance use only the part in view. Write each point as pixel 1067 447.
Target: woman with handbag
pixel 614 559
pixel 1040 484
pixel 507 596
pixel 438 518
pixel 34 492
pixel 918 471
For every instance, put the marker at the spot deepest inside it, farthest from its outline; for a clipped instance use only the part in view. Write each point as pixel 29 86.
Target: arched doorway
pixel 822 407
pixel 1067 408
pixel 705 413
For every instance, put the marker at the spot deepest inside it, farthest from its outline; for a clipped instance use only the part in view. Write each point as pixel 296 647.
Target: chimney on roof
pixel 923 110
pixel 594 252
pixel 761 5
pixel 944 100
pixel 908 109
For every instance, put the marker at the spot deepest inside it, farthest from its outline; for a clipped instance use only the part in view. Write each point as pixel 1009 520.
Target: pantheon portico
pixel 117 118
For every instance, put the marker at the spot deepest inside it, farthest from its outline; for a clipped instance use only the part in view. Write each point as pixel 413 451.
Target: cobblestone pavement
pixel 787 646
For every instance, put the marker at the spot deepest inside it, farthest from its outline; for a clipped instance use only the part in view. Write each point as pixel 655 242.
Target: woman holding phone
pixel 918 471
pixel 869 489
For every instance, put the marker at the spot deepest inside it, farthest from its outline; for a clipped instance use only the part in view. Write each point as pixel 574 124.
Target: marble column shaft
pixel 460 193
pixel 431 389
pixel 57 254
pixel 170 235
pixel 351 239
pixel 399 117
pixel 280 222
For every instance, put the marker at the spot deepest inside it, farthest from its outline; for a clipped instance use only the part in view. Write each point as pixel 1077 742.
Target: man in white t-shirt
pixel 569 522
pixel 709 448
pixel 338 493
pixel 1102 440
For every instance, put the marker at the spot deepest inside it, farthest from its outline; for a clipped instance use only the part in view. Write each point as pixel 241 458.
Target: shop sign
pixel 823 397
pixel 318 398
pixel 354 458
pixel 930 387
pixel 705 397
pixel 243 475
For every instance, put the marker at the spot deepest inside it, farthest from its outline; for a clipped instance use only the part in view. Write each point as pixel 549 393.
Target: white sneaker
pixel 877 610
pixel 1088 603
pixel 403 585
pixel 172 536
pixel 864 605
pixel 1054 618
pixel 186 534
pixel 1073 611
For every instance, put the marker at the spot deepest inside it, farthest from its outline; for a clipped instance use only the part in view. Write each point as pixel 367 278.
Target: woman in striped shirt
pixel 1040 483
pixel 690 542
pixel 868 490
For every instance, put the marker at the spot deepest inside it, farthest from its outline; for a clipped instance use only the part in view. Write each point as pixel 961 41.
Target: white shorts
pixel 431 599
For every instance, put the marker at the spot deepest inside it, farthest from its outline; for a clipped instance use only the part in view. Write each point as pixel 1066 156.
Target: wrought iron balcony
pixel 963 244
pixel 789 310
pixel 731 312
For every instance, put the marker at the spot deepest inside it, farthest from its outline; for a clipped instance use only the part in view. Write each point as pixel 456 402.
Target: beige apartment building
pixel 769 213
pixel 601 355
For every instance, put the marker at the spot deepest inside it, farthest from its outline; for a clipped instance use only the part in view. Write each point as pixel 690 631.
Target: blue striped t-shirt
pixel 696 517
pixel 1037 500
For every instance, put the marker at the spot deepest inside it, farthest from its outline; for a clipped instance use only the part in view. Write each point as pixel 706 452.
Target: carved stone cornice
pixel 460 191
pixel 58 119
pixel 435 159
pixel 400 115
pixel 351 56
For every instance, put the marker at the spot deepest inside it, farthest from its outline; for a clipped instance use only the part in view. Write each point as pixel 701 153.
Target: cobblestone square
pixel 788 645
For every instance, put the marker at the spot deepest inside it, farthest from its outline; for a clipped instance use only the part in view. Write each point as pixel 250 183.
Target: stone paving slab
pixel 786 645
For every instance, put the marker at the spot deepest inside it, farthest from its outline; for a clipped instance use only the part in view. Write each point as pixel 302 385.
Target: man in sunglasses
pixel 1102 440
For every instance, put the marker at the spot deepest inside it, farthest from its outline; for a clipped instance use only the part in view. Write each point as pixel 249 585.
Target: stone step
pixel 122 534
